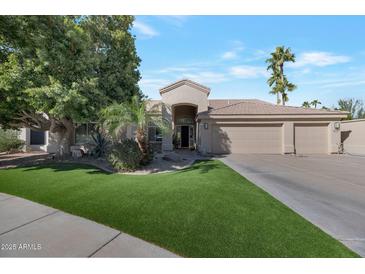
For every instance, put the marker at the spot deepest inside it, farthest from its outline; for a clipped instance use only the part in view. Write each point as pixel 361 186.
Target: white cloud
pixel 207 77
pixel 340 81
pixel 146 31
pixel 343 84
pixel 228 55
pixel 248 71
pixel 233 54
pixel 319 59
pixel 174 20
pixel 258 54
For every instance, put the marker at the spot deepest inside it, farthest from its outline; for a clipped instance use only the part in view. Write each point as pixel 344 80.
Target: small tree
pixel 355 108
pixel 278 81
pixel 117 117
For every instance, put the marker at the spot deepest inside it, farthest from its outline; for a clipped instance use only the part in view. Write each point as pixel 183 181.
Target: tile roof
pixel 254 106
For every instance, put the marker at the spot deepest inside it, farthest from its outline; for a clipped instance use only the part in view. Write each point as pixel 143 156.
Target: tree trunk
pixel 65 130
pixel 69 135
pixel 282 81
pixel 277 98
pixel 142 144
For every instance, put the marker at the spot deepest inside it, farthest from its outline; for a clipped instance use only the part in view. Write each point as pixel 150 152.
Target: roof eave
pixel 272 116
pixel 185 82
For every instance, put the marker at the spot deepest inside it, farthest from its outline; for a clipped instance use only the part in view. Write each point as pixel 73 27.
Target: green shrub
pixel 126 155
pixel 9 140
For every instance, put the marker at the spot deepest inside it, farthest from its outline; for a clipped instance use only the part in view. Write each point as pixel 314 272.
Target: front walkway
pixel 169 161
pixel 28 229
pixel 21 158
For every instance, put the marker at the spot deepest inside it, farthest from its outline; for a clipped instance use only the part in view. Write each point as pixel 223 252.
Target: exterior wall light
pixel 205 125
pixel 337 125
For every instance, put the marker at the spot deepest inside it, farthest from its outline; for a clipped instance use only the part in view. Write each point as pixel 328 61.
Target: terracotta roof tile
pixel 254 106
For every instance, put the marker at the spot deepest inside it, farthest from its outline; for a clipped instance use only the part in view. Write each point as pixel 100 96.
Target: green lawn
pixel 207 210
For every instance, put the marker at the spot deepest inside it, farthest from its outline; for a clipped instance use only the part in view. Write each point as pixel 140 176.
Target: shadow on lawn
pixel 67 167
pixel 202 166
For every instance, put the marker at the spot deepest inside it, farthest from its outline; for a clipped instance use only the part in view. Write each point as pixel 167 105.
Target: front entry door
pixel 184 136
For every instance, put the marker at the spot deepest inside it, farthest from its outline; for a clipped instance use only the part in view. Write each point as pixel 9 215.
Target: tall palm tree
pixel 272 82
pixel 315 103
pixel 278 81
pixel 117 117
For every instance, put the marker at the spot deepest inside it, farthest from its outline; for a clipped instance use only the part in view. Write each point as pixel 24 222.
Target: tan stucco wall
pixel 186 95
pixel 334 137
pixel 206 135
pixel 355 142
pixel 288 138
pixel 181 95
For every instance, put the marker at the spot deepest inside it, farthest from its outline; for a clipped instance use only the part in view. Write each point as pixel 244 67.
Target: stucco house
pixel 221 126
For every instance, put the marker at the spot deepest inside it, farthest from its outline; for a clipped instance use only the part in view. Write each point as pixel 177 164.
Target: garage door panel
pixel 311 139
pixel 266 139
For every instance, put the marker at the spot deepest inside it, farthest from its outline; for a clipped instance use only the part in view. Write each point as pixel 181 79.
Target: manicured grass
pixel 207 210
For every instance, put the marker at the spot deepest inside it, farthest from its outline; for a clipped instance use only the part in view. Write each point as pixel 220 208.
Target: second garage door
pixel 247 138
pixel 311 139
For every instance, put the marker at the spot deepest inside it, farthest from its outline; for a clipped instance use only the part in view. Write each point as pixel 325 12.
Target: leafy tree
pixel 306 104
pixel 58 70
pixel 278 81
pixel 117 117
pixel 315 102
pixel 355 108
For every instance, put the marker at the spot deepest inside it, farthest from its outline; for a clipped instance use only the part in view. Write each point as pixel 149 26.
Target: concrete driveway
pixel 29 229
pixel 329 191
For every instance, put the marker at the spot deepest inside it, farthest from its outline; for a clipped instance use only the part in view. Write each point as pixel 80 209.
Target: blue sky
pixel 227 54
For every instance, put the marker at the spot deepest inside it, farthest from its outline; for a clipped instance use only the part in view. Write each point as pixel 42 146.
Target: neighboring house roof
pixel 258 107
pixel 185 82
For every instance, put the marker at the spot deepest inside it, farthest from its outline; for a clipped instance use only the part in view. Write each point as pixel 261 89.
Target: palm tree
pixel 117 117
pixel 274 87
pixel 315 103
pixel 306 104
pixel 278 81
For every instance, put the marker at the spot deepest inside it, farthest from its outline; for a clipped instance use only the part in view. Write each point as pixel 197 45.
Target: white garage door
pixel 311 139
pixel 247 138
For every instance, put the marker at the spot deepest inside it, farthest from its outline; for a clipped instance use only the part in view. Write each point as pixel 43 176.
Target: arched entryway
pixel 184 126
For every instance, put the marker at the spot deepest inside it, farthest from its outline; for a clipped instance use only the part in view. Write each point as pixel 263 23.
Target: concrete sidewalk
pixel 28 229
